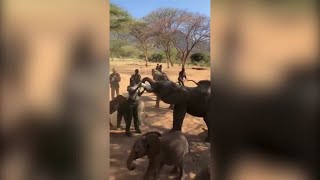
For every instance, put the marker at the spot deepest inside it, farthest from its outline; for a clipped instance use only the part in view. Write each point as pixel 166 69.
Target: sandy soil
pixel 157 120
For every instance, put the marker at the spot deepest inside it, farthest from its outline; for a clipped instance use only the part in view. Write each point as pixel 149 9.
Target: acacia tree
pixel 143 36
pixel 119 21
pixel 180 29
pixel 164 23
pixel 193 30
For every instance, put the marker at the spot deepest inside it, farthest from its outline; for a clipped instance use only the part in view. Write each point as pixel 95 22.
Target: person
pixel 114 83
pixel 160 68
pixel 135 79
pixel 182 77
pixel 133 101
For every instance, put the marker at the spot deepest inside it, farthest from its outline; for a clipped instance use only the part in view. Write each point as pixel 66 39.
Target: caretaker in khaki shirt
pixel 114 83
pixel 133 101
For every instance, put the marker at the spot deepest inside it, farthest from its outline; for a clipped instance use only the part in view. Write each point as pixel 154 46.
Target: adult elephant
pixel 159 76
pixel 192 100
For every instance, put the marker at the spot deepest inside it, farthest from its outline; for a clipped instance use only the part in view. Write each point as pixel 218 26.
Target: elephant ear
pixel 153 144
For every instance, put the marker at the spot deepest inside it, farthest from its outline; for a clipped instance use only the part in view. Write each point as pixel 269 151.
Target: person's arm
pixel 140 93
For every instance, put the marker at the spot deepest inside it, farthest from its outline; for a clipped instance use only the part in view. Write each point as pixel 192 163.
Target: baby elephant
pixel 169 149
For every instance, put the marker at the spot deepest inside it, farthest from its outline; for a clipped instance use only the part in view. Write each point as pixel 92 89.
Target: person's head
pixel 182 69
pixel 114 70
pixel 136 71
pixel 160 67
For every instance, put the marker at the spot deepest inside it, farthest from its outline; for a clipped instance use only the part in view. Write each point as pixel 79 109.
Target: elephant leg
pixel 111 125
pixel 175 170
pixel 119 118
pixel 157 102
pixel 181 171
pixel 153 171
pixel 208 135
pixel 179 113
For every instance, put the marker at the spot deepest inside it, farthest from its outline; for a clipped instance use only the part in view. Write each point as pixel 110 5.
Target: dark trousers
pixel 133 113
pixel 181 82
pixel 114 90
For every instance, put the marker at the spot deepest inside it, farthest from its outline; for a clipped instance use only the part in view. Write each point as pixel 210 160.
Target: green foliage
pixel 119 18
pixel 121 48
pixel 157 57
pixel 129 52
pixel 198 57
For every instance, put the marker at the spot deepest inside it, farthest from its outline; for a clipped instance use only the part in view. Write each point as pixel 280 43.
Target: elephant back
pixel 174 147
pixel 116 103
pixel 159 76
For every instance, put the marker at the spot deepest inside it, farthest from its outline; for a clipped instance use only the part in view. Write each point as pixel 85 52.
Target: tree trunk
pixel 167 59
pixel 111 57
pixel 146 58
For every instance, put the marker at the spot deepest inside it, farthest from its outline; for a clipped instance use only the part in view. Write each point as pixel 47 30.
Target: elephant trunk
pixel 151 82
pixel 130 165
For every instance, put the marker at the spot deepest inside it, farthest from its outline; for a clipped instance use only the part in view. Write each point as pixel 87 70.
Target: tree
pixel 193 30
pixel 164 23
pixel 118 18
pixel 143 35
pixel 156 57
pixel 180 29
pixel 119 21
pixel 197 57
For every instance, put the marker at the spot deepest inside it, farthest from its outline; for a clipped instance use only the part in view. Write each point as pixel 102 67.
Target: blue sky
pixel 140 8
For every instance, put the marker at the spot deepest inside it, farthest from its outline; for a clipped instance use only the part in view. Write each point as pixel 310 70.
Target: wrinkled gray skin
pixel 120 105
pixel 169 149
pixel 158 76
pixel 192 100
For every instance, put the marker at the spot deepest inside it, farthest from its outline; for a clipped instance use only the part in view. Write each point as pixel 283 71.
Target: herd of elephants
pixel 169 148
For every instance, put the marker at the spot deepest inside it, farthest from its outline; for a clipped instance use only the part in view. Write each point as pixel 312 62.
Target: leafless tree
pixel 165 23
pixel 179 29
pixel 143 34
pixel 193 30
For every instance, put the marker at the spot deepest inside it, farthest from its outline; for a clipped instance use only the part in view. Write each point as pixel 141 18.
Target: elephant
pixel 120 105
pixel 204 174
pixel 160 76
pixel 192 100
pixel 169 149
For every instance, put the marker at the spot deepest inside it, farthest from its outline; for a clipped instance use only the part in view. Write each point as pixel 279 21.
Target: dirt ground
pixel 156 120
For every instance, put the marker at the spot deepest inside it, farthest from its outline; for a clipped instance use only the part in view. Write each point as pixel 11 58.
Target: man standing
pixel 114 83
pixel 133 101
pixel 135 79
pixel 182 77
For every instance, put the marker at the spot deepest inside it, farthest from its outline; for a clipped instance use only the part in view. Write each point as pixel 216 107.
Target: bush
pixel 156 57
pixel 141 56
pixel 199 57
